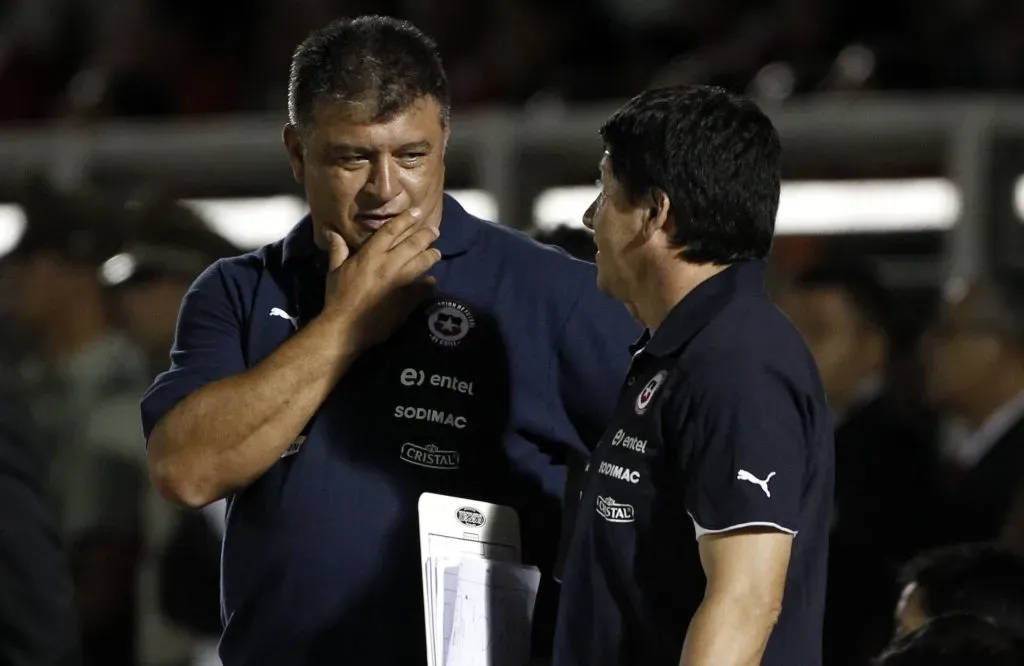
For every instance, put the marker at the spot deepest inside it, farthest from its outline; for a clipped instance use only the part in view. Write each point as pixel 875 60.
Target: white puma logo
pixel 744 475
pixel 278 312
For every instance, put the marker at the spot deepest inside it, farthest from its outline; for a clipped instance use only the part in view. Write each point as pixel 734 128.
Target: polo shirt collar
pixel 459 231
pixel 698 308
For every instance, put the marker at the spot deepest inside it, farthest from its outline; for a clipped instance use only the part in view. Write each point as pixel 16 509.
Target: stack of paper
pixel 481 611
pixel 478 600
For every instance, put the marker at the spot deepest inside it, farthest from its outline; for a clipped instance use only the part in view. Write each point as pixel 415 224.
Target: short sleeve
pixel 748 463
pixel 207 345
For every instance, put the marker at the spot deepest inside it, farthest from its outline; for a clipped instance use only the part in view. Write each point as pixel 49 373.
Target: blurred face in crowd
pixel 33 287
pixel 963 349
pixel 148 313
pixel 359 172
pixel 618 226
pixel 910 614
pixel 846 347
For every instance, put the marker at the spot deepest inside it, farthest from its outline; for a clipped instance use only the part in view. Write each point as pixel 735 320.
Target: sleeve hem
pixel 703 531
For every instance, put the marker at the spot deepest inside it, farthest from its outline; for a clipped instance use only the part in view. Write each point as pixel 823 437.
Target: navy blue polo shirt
pixel 722 424
pixel 485 392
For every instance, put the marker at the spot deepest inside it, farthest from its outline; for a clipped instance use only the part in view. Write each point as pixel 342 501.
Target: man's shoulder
pixel 549 270
pixel 249 265
pixel 237 278
pixel 516 244
pixel 752 343
pixel 753 329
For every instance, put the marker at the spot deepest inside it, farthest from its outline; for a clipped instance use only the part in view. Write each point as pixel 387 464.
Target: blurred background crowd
pixel 910 297
pixel 164 57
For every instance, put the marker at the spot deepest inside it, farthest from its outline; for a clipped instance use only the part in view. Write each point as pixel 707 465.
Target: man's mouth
pixel 374 221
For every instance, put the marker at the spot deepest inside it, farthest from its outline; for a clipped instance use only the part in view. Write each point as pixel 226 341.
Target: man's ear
pixel 659 214
pixel 296 152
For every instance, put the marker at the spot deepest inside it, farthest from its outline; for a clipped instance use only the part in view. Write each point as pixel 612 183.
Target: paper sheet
pixel 454 531
pixel 493 614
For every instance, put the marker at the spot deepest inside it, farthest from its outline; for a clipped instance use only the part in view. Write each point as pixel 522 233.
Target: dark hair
pixel 954 640
pixel 716 157
pixel 856 276
pixel 370 58
pixel 983 579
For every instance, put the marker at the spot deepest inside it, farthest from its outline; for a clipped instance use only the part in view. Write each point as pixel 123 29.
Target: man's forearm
pixel 227 434
pixel 728 632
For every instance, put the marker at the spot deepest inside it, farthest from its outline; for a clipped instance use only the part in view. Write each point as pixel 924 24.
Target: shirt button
pixel 630 381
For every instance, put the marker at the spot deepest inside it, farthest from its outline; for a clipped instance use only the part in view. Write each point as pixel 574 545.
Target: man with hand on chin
pixel 701 535
pixel 390 345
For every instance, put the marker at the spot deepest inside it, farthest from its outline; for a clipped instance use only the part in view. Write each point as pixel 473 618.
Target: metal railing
pixel 513 154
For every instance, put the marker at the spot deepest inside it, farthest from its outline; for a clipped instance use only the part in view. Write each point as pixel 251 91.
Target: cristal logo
pixel 613 511
pixel 470 517
pixel 429 456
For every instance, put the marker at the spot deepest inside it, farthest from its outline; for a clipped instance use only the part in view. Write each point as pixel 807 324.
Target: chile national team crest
pixel 448 322
pixel 643 400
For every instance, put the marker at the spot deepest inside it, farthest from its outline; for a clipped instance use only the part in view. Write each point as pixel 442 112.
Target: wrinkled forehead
pixel 362 116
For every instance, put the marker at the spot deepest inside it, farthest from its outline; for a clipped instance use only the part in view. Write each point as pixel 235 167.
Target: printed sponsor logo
pixel 430 416
pixel 415 377
pixel 619 472
pixel 629 442
pixel 614 512
pixel 470 517
pixel 429 456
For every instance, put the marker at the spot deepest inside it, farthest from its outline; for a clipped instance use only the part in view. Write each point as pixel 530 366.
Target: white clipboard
pixel 458 527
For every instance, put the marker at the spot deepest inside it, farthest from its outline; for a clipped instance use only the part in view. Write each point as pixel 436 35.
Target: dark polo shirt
pixel 485 392
pixel 722 424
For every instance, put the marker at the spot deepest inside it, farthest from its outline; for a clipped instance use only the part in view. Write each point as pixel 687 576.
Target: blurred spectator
pixel 83 382
pixel 168 245
pixel 37 612
pixel 884 460
pixel 975 372
pixel 577 242
pixel 981 579
pixel 955 640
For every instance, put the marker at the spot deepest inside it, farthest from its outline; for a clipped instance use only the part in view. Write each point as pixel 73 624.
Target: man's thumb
pixel 337 251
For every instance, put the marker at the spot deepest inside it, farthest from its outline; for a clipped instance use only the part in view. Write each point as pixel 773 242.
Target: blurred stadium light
pixel 814 207
pixel 807 207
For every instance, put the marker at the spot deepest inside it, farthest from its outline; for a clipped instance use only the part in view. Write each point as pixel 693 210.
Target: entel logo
pixel 632 443
pixel 470 517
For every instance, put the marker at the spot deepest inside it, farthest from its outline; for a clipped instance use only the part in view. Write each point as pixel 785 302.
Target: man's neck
pixel 665 285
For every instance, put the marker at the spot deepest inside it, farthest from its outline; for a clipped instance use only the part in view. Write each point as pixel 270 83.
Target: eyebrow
pixel 343 147
pixel 415 147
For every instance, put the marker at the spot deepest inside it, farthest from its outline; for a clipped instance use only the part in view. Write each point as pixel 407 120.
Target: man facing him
pixel 390 345
pixel 722 432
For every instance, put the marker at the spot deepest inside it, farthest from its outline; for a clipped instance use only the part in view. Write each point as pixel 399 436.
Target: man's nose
pixel 383 181
pixel 588 216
